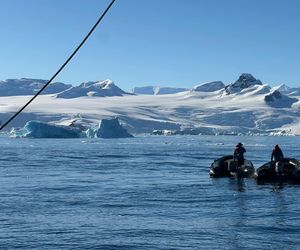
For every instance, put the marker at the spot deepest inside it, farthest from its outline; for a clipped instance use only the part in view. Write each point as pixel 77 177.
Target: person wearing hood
pixel 238 154
pixel 278 158
pixel 277 154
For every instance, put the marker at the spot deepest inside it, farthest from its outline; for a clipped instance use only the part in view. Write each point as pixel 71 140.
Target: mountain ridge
pixel 254 109
pixel 29 86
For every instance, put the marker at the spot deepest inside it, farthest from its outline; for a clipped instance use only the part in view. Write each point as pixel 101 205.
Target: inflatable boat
pixel 289 172
pixel 227 167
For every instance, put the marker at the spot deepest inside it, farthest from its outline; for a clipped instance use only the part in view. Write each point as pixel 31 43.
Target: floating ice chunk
pixel 37 129
pixel 109 128
pixel 17 132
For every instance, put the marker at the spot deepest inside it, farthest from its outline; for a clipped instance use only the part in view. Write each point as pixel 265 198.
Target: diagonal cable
pixel 61 68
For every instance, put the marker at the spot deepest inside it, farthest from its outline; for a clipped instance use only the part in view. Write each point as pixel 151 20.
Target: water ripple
pixel 141 193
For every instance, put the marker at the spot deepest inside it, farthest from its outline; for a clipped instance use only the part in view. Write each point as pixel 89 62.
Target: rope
pixel 61 68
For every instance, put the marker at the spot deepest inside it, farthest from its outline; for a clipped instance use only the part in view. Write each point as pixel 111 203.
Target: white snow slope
pixel 156 90
pixel 28 86
pixel 209 86
pixel 254 109
pixel 99 88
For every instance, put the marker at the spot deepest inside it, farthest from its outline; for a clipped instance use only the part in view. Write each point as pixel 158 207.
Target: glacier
pixel 156 90
pixel 246 106
pixel 209 86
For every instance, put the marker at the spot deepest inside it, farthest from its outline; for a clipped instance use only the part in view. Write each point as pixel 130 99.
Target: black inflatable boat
pixel 227 167
pixel 290 172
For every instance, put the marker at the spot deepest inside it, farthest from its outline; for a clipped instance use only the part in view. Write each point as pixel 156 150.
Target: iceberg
pixel 108 128
pixel 37 129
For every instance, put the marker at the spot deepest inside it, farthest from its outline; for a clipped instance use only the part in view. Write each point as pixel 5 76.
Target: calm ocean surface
pixel 142 193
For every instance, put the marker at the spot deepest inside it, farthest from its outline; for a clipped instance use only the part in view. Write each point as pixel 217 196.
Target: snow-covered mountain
pixel 27 86
pixel 245 107
pixel 278 100
pixel 245 81
pixel 209 86
pixel 284 89
pixel 155 90
pixel 98 88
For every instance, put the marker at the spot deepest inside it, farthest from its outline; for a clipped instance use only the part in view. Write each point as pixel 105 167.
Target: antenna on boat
pixel 61 68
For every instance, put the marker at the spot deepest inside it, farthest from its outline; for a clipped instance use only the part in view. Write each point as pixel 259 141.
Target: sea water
pixel 142 193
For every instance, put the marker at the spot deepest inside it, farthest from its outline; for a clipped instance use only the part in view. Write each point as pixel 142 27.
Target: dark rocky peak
pixel 245 80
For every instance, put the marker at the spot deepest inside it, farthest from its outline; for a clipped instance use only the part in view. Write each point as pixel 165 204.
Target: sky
pixel 177 43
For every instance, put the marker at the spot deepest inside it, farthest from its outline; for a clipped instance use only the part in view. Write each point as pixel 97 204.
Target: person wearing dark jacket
pixel 238 154
pixel 278 158
pixel 277 154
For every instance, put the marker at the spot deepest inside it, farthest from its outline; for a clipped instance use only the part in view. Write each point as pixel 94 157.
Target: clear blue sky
pixel 162 42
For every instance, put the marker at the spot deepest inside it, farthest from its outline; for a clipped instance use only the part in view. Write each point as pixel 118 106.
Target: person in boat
pixel 238 154
pixel 277 155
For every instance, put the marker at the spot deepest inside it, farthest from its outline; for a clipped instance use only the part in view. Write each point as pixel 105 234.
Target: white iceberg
pixel 37 129
pixel 108 128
